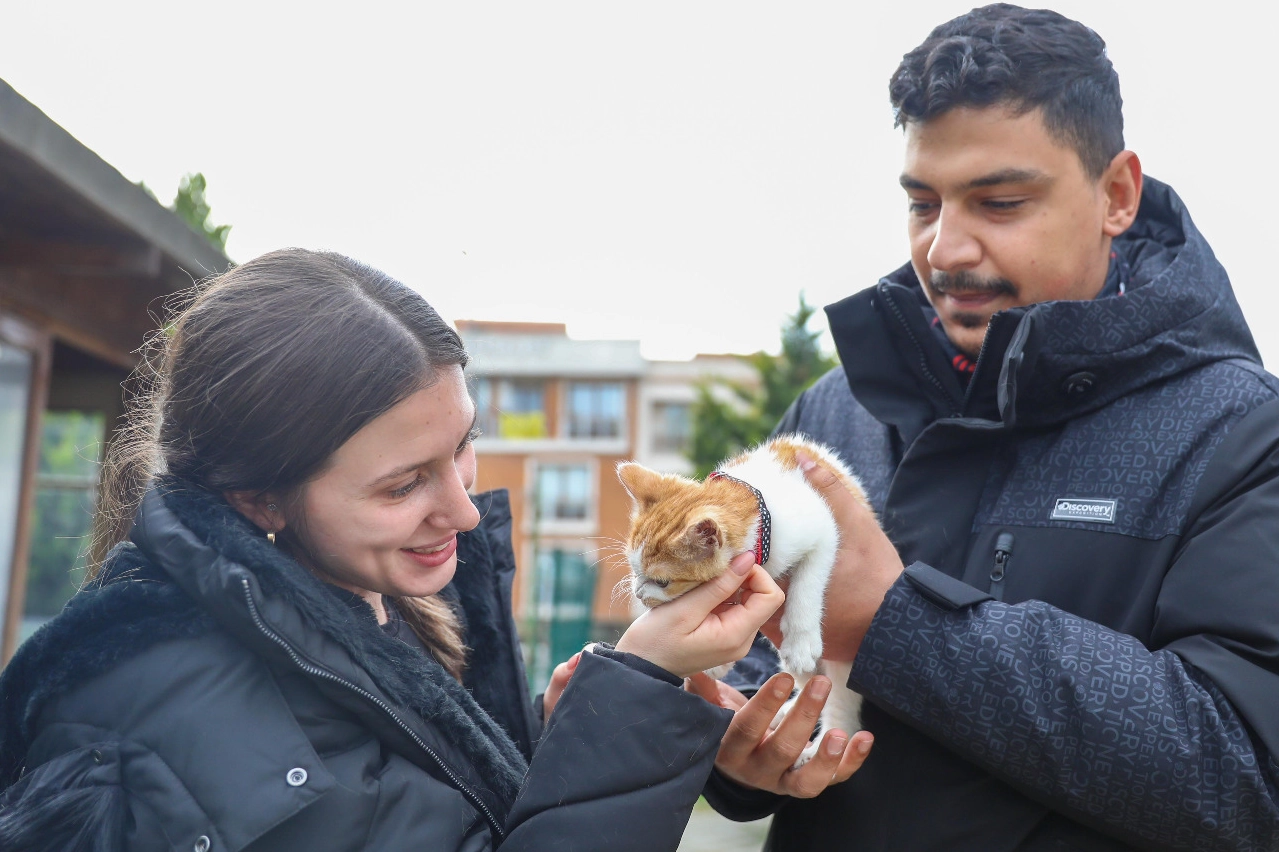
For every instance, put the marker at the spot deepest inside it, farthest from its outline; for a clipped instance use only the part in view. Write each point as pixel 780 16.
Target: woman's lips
pixel 435 555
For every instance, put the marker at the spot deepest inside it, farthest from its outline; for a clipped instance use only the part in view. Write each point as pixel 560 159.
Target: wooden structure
pixel 86 260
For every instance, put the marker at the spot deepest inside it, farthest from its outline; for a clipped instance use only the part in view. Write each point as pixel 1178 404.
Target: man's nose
pixel 954 246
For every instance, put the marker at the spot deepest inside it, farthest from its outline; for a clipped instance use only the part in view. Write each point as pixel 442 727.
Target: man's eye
pixel 1001 204
pixel 920 208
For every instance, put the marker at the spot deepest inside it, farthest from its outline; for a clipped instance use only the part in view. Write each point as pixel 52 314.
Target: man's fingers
pixel 855 755
pixel 795 730
pixel 751 723
pixel 815 776
pixel 825 480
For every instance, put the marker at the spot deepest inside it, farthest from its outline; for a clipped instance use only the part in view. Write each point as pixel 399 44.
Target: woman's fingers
pixel 695 632
pixel 559 680
pixel 715 691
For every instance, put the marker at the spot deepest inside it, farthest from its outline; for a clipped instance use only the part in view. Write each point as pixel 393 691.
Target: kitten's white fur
pixel 805 539
pixel 804 542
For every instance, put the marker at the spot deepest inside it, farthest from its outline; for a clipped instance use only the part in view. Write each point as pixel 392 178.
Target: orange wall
pixel 614 520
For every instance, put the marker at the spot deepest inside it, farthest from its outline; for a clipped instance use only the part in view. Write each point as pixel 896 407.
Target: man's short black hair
pixel 1025 59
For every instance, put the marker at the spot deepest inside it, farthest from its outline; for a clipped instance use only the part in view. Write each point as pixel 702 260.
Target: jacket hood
pixel 1049 362
pixel 187 571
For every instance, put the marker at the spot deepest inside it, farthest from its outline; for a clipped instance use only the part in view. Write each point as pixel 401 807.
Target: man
pixel 1061 418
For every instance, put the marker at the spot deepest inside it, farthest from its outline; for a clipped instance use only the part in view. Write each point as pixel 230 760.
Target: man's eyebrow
pixel 993 179
pixel 1008 176
pixel 909 182
pixel 409 468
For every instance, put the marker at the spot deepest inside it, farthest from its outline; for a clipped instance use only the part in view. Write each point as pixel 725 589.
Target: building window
pixel 672 427
pixel 563 492
pixel 513 409
pixel 564 586
pixel 66 490
pixel 596 409
pixel 16 366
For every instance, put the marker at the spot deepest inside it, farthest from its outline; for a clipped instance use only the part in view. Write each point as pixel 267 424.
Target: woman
pixel 299 633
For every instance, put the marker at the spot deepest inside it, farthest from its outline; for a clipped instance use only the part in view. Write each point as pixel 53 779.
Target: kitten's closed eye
pixel 661 584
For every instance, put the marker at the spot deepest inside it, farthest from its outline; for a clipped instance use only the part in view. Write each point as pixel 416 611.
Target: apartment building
pixel 558 415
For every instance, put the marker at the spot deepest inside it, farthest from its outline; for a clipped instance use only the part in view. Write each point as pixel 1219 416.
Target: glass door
pixel 22 393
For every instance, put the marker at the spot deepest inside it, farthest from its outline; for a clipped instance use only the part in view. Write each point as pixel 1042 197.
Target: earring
pixel 271 507
pixel 270 537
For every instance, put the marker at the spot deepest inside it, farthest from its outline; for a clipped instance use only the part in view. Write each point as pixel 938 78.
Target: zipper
pixel 923 359
pixel 315 671
pixel 1003 552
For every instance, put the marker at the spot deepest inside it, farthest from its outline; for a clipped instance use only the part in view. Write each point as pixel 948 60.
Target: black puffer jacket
pixel 211 694
pixel 1086 653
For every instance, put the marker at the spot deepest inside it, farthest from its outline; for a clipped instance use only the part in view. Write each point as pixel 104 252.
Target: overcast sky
pixel 672 172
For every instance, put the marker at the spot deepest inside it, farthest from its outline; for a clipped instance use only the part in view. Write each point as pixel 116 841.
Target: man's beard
pixel 965 282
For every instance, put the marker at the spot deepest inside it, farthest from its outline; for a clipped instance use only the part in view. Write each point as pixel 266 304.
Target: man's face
pixel 1001 214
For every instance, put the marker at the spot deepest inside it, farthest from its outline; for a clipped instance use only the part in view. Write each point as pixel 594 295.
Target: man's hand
pixel 866 566
pixel 754 756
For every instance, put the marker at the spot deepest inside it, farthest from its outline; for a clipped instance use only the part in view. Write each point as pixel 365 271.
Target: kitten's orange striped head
pixel 683 532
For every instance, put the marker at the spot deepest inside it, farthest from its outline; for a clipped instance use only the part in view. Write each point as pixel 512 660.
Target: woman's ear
pixel 262 508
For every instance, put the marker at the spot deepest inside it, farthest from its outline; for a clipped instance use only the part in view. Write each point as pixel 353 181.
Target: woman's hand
pixel 703 628
pixel 866 566
pixel 756 755
pixel 559 680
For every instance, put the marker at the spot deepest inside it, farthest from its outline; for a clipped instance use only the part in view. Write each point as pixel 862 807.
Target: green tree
pixel 194 209
pixel 725 424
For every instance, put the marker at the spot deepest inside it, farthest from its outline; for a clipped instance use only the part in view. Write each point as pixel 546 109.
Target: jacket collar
pixel 1047 363
pixel 189 566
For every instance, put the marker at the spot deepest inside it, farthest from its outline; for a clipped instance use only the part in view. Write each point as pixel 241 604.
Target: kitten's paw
pixel 809 751
pixel 719 671
pixel 801 655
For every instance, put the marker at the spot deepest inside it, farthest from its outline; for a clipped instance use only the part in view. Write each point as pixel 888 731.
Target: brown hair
pixel 262 373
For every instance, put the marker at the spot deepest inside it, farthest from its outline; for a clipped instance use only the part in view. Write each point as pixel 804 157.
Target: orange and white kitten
pixel 685 532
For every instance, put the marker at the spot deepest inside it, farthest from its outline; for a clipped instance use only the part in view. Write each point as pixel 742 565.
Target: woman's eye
pixel 469 439
pixel 404 490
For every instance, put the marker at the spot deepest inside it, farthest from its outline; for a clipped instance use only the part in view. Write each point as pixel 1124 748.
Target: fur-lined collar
pixel 190 550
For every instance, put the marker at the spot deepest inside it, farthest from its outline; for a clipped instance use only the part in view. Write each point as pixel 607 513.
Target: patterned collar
pixel 764 540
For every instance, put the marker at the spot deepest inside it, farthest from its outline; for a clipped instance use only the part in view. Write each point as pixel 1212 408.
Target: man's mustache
pixel 966 282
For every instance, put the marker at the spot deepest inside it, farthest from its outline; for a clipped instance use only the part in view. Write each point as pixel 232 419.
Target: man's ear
pixel 262 508
pixel 1122 184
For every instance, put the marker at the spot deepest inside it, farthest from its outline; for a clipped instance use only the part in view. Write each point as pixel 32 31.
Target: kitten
pixel 684 533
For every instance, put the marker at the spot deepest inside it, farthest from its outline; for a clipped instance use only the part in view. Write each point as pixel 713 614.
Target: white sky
pixel 672 172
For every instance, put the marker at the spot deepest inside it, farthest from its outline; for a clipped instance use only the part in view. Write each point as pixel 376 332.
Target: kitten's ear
pixel 640 482
pixel 704 537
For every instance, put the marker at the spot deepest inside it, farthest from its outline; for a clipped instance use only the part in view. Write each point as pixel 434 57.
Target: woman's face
pixel 384 517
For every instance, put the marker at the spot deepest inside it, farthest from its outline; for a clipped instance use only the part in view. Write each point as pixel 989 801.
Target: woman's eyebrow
pixel 409 468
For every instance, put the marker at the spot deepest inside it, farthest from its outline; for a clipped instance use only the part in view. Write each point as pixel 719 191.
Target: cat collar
pixel 764 540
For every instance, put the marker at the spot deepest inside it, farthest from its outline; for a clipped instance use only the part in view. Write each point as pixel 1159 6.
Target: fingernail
pixel 863 747
pixel 784 688
pixel 742 566
pixel 835 744
pixel 805 463
pixel 574 660
pixel 821 688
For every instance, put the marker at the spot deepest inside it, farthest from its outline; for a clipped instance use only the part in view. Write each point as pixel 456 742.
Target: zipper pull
pixel 1003 552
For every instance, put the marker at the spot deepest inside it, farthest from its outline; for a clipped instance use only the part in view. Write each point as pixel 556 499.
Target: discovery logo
pixel 1083 509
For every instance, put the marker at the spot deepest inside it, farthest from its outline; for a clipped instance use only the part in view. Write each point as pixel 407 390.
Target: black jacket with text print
pixel 1084 651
